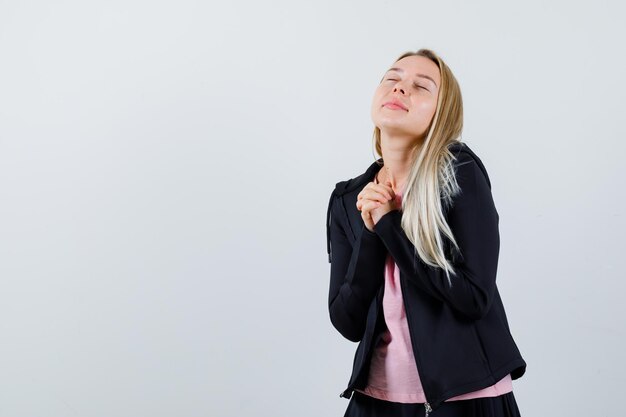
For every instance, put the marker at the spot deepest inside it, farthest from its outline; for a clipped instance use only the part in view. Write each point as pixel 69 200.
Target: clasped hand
pixel 374 201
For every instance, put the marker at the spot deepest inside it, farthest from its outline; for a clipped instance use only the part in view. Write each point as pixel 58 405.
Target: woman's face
pixel 413 83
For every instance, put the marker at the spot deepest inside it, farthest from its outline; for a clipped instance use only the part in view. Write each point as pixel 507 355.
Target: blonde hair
pixel 432 178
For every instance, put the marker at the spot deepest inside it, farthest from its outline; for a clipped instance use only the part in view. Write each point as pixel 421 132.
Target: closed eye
pixel 414 85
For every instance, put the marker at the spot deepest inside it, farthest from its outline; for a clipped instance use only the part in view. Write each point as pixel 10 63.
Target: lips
pixel 395 104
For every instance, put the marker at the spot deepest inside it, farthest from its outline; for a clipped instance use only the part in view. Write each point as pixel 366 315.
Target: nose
pixel 398 88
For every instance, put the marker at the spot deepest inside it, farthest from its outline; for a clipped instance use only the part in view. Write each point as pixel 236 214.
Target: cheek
pixel 423 111
pixel 377 100
pixel 379 93
pixel 426 106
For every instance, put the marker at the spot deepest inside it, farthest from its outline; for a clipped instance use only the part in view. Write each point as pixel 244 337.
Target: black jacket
pixel 460 334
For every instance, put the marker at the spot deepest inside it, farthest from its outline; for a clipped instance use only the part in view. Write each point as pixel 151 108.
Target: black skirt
pixel 362 405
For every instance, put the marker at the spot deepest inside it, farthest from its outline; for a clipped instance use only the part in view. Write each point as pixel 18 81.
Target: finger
pixel 360 204
pixel 374 195
pixel 384 189
pixel 366 215
pixel 376 192
pixel 389 189
pixel 370 205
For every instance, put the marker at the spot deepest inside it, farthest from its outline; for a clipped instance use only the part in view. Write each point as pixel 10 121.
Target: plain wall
pixel 165 169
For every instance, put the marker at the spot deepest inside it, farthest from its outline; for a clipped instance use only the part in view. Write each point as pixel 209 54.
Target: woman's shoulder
pixel 464 155
pixel 357 182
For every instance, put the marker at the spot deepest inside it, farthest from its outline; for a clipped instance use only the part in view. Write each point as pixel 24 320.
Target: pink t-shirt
pixel 393 374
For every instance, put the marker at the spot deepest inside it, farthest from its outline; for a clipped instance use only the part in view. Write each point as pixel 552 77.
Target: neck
pixel 397 159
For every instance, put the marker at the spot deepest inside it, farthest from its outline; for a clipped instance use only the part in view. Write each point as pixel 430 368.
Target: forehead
pixel 412 65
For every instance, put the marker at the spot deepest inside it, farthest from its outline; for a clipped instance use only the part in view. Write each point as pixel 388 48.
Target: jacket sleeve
pixel 356 274
pixel 473 220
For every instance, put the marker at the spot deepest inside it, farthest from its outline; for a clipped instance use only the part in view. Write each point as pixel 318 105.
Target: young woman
pixel 413 244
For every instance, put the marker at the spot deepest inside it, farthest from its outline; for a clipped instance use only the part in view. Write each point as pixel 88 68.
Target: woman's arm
pixel 356 274
pixel 473 220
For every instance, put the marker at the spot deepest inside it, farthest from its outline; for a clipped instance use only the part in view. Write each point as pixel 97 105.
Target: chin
pixel 387 123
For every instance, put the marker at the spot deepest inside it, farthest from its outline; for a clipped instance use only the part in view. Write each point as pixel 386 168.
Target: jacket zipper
pixel 371 347
pixel 351 386
pixel 427 408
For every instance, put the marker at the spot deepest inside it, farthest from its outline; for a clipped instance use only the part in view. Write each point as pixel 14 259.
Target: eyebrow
pixel 418 74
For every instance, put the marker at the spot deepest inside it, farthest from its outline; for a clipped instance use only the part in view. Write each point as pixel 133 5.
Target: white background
pixel 165 169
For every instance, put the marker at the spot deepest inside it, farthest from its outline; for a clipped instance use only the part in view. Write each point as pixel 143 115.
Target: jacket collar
pixel 343 187
pixel 352 184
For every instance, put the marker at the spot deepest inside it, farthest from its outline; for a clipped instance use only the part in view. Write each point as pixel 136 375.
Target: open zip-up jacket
pixel 460 334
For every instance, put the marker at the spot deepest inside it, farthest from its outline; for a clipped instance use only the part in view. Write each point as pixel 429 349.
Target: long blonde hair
pixel 431 178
